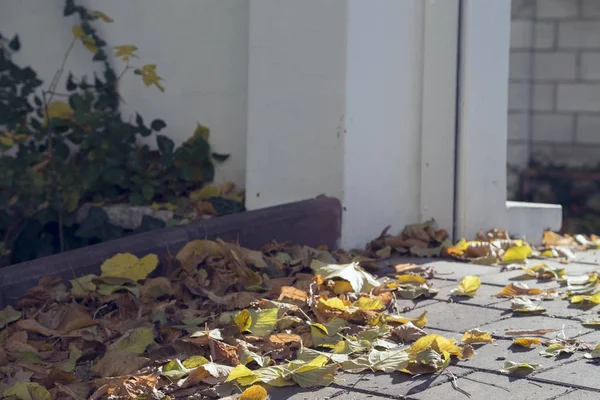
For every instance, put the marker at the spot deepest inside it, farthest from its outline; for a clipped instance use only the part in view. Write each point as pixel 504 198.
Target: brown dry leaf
pixel 407 332
pixel 197 250
pixel 32 325
pixel 291 293
pixel 210 373
pixel 288 339
pixel 520 289
pixel 8 315
pixel 156 288
pixel 527 342
pixel 118 363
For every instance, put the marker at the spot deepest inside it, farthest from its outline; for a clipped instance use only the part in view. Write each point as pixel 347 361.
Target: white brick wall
pixel 544 35
pixel 521 34
pixel 555 66
pixel 518 126
pixel 557 8
pixel 518 96
pixel 588 129
pixel 520 65
pixel 590 66
pixel 543 96
pixel 579 34
pixel 578 97
pixel 590 8
pixel 552 127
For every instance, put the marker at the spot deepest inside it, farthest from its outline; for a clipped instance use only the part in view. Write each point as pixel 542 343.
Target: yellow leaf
pixel 365 303
pixel 78 33
pixel 125 52
pixel 521 369
pixel 514 290
pixel 315 373
pixel 243 320
pixel 361 280
pixel 254 392
pixel 135 341
pixel 27 391
pixel 205 193
pixel 438 343
pixel 477 336
pixel 468 286
pixel 7 141
pixel 196 250
pixel 342 287
pixel 527 342
pixel 60 110
pixel 334 303
pixel 419 322
pixel 595 299
pixel 194 362
pixel 8 315
pixel 404 279
pixel 89 44
pixel 240 371
pixel 126 265
pixel 102 16
pixel 517 254
pixel 150 77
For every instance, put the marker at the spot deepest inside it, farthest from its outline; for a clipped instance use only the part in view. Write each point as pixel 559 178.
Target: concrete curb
pixel 311 222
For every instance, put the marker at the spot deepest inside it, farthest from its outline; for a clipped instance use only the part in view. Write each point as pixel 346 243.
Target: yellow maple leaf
pixel 126 52
pixel 126 265
pixel 149 76
pixel 468 286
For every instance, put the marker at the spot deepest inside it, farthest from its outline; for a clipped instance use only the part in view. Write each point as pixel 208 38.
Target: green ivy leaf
pixel 220 157
pixel 70 84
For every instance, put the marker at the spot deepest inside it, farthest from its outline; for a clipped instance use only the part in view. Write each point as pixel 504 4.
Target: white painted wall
pixel 200 48
pixel 334 107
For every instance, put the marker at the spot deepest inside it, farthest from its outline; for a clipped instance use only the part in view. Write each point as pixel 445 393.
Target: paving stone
pixel 487 356
pixel 448 270
pixel 480 386
pixel 296 393
pixel 554 308
pixel 580 395
pixel 482 298
pixel 398 384
pixel 456 317
pixel 571 328
pixel 583 373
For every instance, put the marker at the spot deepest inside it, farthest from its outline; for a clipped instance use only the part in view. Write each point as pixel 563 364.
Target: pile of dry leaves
pixel 218 319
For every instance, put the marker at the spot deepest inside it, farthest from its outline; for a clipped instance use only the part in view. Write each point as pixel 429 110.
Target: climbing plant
pixel 63 146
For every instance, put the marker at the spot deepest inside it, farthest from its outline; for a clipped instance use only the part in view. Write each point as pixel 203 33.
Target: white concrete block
pixel 578 97
pixel 552 128
pixel 545 33
pixel 543 97
pixel 530 220
pixel 520 65
pixel 567 154
pixel 588 129
pixel 579 34
pixel 555 66
pixel 590 66
pixel 518 96
pixel 590 8
pixel 522 8
pixel 521 34
pixel 557 8
pixel 517 154
pixel 518 126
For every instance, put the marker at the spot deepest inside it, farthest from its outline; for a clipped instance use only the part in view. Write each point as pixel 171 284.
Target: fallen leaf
pixel 8 315
pixel 527 342
pixel 517 254
pixel 582 299
pixel 415 279
pixel 254 392
pixel 359 279
pixel 529 332
pixel 556 349
pixel 126 265
pixel 176 370
pixel 525 305
pixel 27 391
pixel 408 332
pixel 521 289
pixel 592 323
pixel 291 293
pixel 476 336
pixel 116 363
pixel 315 373
pixel 419 321
pixel 259 323
pixel 135 341
pixel 196 250
pixel 81 287
pixel 69 364
pixel 210 373
pixel 519 369
pixel 543 272
pixel 467 287
pixel 385 361
pixel 32 325
pixel 594 354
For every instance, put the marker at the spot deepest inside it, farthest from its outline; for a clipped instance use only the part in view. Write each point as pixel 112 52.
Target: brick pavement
pixel 567 378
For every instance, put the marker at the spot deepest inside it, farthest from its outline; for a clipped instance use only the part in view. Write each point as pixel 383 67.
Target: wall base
pixel 532 219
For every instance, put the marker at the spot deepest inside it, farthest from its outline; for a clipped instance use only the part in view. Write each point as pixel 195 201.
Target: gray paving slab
pixel 554 308
pixel 398 384
pixel 482 298
pixel 447 269
pixel 590 256
pixel 481 385
pixel 582 374
pixel 571 328
pixel 491 356
pixel 580 395
pixel 457 317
